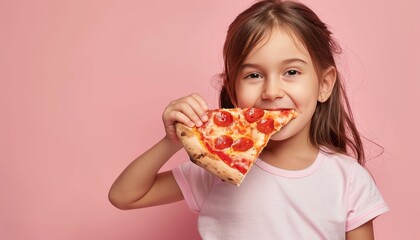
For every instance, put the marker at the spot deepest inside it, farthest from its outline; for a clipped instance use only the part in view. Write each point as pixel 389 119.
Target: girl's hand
pixel 189 110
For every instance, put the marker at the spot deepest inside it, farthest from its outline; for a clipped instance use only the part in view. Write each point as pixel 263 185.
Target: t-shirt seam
pixel 320 159
pixel 366 215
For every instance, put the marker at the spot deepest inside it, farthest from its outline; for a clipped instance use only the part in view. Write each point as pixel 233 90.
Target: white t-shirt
pixel 334 195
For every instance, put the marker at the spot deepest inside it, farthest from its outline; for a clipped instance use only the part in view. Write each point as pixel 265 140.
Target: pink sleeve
pixel 194 182
pixel 365 200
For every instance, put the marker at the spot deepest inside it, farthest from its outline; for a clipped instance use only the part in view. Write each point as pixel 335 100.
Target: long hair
pixel 332 124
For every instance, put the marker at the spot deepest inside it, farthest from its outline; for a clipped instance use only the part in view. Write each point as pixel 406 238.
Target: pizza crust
pixel 202 157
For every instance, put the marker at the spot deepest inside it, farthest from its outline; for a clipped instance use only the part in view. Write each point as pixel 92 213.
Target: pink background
pixel 83 85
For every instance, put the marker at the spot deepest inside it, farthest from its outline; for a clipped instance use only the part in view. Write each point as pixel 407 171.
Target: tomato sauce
pixel 228 160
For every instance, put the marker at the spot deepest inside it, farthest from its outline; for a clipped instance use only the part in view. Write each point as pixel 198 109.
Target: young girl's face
pixel 279 74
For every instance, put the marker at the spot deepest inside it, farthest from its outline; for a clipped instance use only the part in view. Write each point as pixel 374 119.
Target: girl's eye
pixel 292 73
pixel 254 75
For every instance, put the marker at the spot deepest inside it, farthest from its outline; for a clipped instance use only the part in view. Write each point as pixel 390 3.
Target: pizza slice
pixel 232 139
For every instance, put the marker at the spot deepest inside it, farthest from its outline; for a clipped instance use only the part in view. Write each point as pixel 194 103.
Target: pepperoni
pixel 253 114
pixel 223 119
pixel 223 142
pixel 266 125
pixel 242 144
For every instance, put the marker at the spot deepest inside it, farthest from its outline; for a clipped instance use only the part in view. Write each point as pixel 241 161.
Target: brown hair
pixel 332 124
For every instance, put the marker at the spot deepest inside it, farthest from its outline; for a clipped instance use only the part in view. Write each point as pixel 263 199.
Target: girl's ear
pixel 327 83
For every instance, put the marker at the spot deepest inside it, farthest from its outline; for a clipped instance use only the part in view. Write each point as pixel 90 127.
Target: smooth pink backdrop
pixel 83 85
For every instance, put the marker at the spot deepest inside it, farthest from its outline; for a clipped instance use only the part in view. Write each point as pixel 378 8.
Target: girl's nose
pixel 273 89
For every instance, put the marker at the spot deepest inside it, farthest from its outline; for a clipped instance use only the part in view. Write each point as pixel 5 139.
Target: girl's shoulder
pixel 346 163
pixel 346 159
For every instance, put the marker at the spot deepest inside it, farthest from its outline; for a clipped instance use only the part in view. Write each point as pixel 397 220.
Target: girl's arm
pixel 140 184
pixel 364 232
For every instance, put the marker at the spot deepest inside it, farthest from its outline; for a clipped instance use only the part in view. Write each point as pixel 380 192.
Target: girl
pixel 278 55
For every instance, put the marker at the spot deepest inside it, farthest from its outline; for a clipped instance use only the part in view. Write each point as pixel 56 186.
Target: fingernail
pixel 205 118
pixel 191 124
pixel 198 123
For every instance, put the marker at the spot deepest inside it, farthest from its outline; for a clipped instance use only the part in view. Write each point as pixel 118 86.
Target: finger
pixel 201 111
pixel 183 118
pixel 182 111
pixel 193 107
pixel 192 110
pixel 200 100
pixel 171 133
pixel 172 115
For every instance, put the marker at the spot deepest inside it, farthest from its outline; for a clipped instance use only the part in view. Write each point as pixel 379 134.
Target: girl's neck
pixel 295 153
